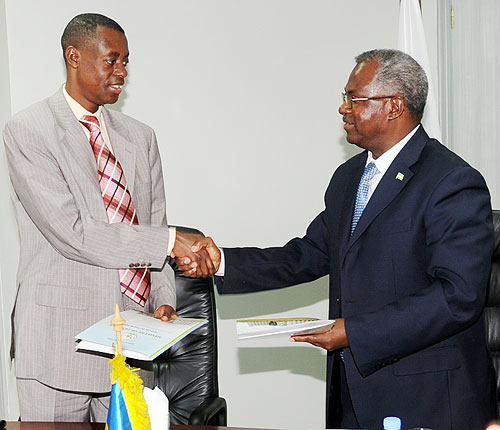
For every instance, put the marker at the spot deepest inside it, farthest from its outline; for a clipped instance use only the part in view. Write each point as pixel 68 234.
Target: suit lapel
pixel 124 150
pixel 72 136
pixel 393 182
pixel 76 143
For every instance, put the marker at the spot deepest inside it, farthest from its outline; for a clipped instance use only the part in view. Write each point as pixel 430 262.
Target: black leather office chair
pixel 492 310
pixel 187 372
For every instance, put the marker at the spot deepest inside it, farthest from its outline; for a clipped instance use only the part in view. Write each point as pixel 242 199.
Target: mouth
pixel 117 89
pixel 347 124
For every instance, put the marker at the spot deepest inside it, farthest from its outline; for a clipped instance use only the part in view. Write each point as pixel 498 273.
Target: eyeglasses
pixel 348 100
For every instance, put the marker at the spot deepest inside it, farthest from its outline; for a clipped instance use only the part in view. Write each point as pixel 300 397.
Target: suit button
pixel 143 264
pixel 148 264
pixel 337 299
pixel 131 265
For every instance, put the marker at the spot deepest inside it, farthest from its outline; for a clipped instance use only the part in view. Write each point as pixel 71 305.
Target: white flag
pixel 411 39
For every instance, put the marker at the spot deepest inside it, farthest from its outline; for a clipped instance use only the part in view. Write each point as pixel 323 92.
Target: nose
pixel 343 108
pixel 120 70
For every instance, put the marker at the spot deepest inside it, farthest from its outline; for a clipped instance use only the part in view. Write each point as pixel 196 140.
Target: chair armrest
pixel 213 407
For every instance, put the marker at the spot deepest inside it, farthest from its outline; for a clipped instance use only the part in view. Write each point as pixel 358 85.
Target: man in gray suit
pixel 75 256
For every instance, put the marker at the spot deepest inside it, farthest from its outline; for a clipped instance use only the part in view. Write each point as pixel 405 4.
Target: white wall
pixel 9 240
pixel 243 95
pixel 474 87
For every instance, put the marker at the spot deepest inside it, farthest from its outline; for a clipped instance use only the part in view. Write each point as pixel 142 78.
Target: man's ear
pixel 397 107
pixel 72 56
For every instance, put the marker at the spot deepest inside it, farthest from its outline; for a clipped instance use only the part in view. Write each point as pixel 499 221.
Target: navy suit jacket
pixel 410 282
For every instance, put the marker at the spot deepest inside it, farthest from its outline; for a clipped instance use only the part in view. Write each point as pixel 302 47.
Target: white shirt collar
pixel 385 160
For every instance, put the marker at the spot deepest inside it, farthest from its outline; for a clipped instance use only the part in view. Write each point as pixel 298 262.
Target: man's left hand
pixel 166 313
pixel 334 338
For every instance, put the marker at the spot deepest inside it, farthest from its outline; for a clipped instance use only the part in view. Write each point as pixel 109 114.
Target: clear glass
pixel 348 100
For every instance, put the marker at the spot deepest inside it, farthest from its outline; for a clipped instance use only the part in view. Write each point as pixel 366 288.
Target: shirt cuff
pixel 172 232
pixel 222 265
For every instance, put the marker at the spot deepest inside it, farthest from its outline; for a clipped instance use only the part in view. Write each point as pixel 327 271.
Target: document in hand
pixel 247 329
pixel 144 337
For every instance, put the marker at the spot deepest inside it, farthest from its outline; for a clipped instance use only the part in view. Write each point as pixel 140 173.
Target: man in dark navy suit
pixel 406 237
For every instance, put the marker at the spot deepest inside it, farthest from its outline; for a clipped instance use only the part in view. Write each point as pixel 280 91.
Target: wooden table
pixel 15 425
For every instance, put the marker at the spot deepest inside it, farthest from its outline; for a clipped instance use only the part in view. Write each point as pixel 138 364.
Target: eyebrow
pixel 117 54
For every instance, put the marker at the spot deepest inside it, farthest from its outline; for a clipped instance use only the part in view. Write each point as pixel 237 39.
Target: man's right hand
pixel 193 263
pixel 203 245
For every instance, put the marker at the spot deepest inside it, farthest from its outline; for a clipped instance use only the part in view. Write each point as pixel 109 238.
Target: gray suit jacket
pixel 68 277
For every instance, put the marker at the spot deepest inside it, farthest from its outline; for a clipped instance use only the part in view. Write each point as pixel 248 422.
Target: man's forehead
pixel 361 76
pixel 358 68
pixel 107 39
pixel 108 33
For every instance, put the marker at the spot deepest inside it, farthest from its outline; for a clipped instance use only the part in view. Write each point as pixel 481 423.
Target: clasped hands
pixel 193 264
pixel 198 256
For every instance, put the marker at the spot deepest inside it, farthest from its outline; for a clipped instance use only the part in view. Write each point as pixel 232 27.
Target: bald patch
pixel 358 68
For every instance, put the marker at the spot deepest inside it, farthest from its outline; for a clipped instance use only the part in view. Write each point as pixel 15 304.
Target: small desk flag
pixel 127 408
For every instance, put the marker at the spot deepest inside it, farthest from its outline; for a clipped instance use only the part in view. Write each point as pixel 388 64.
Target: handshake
pixel 196 255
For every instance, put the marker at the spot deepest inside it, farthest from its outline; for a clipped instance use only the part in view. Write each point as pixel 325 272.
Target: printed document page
pixel 250 328
pixel 144 337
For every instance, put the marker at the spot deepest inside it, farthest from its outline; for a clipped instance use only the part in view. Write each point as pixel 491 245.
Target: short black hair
pixel 83 27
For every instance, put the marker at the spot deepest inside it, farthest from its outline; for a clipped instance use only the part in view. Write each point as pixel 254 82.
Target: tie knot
pixel 370 171
pixel 90 122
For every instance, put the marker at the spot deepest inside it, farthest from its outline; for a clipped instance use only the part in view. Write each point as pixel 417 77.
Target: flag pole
pixel 118 322
pixel 411 39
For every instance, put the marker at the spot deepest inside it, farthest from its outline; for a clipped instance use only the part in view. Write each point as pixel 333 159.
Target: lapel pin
pixel 400 176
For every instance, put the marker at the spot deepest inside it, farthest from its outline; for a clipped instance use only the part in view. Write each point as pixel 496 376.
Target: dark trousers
pixel 340 412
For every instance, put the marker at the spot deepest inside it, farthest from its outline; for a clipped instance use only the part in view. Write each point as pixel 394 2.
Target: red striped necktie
pixel 134 283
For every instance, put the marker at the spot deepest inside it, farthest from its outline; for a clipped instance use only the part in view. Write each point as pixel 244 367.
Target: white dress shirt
pixel 385 160
pixel 80 111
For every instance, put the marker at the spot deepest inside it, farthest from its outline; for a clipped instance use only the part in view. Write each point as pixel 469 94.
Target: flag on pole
pixel 411 39
pixel 128 409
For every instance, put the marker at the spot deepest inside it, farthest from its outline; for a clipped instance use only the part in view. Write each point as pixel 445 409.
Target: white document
pixel 250 328
pixel 144 337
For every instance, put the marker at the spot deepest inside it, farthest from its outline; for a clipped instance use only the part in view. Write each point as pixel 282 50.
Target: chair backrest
pixel 187 372
pixel 492 309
